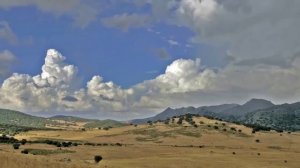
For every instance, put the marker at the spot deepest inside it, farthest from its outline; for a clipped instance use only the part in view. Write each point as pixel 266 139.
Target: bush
pixel 240 130
pixel 233 129
pixel 257 140
pixel 97 158
pixel 66 144
pixel 23 141
pixel 258 154
pixel 201 122
pixel 25 151
pixel 118 144
pixel 135 125
pixel 180 121
pixel 224 129
pixel 233 153
pixel 216 127
pixel 16 145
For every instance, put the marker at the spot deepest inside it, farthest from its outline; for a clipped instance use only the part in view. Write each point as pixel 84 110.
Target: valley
pixel 206 143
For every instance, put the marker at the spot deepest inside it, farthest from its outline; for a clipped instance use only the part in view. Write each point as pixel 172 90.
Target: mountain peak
pixel 167 109
pixel 258 102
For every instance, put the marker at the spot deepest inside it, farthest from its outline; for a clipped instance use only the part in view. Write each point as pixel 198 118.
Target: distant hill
pixel 15 118
pixel 11 117
pixel 255 112
pixel 90 123
pixel 281 117
pixel 70 118
pixel 104 123
pixel 169 112
pixel 239 111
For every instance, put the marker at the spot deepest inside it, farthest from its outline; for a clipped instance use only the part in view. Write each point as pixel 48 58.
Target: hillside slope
pixel 255 112
pixel 21 119
pixel 89 123
pixel 239 111
pixel 281 117
pixel 169 112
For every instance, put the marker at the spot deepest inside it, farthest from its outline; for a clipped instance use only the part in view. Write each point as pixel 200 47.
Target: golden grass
pixel 162 146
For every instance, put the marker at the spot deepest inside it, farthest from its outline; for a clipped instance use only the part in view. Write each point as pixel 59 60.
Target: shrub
pixel 208 126
pixel 97 158
pixel 66 144
pixel 195 125
pixel 16 145
pixel 233 129
pixel 25 151
pixel 233 153
pixel 258 154
pixel 89 144
pixel 223 124
pixel 118 144
pixel 180 121
pixel 201 122
pixel 216 127
pixel 257 140
pixel 240 130
pixel 135 125
pixel 23 141
pixel 224 129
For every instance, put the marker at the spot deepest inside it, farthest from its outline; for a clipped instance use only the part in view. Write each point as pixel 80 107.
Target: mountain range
pixel 255 112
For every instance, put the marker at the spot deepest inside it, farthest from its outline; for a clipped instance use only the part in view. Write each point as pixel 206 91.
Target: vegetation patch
pixel 105 124
pixel 275 147
pixel 47 152
pixel 154 134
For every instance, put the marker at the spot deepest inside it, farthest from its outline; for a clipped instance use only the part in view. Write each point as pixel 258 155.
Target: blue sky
pixel 127 59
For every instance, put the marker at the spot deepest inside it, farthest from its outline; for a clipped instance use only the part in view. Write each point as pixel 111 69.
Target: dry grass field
pixel 160 146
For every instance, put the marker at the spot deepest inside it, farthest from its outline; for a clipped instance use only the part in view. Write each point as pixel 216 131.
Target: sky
pixel 125 59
